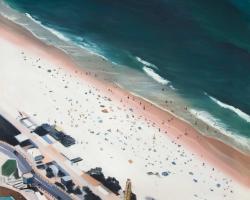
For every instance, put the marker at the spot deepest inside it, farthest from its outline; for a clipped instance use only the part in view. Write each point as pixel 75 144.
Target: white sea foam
pixel 150 72
pixel 86 46
pixel 209 119
pixel 58 34
pixel 53 31
pixel 172 87
pixel 89 48
pixel 145 63
pixel 10 17
pixel 97 54
pixel 237 111
pixel 216 123
pixel 92 48
pixel 149 69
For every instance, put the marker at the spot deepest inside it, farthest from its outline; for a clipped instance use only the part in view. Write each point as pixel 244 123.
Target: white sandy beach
pixel 110 133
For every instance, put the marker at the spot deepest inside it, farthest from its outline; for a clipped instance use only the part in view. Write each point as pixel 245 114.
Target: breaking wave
pixel 209 119
pixel 145 63
pixel 90 47
pixel 217 124
pixel 148 67
pixel 150 72
pixel 237 111
pixel 53 31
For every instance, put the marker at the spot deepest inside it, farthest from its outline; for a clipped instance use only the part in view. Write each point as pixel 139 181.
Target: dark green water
pixel 201 47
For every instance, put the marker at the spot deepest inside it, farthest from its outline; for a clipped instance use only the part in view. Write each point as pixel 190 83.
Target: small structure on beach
pixel 128 194
pixel 26 121
pixel 64 139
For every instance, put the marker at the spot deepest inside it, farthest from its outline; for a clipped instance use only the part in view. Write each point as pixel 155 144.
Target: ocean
pixel 195 52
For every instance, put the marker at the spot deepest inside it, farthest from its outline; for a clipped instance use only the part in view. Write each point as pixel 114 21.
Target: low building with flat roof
pixel 66 180
pixel 56 133
pixel 54 169
pixel 67 153
pixel 21 137
pixel 35 154
pixel 28 178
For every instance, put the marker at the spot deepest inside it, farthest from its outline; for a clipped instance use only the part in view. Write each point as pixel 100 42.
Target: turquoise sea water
pixel 200 48
pixel 7 198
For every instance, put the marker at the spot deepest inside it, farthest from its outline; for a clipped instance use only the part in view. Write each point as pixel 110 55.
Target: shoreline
pixel 223 156
pixel 163 97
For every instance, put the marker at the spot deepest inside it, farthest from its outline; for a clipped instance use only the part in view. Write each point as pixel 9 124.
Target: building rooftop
pixel 21 137
pixel 54 168
pixel 67 153
pixel 56 133
pixel 66 178
pixel 34 152
pixel 28 175
pixel 28 123
pixel 43 129
pixel 48 139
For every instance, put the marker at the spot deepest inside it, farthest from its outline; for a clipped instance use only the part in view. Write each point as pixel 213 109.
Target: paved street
pixel 25 167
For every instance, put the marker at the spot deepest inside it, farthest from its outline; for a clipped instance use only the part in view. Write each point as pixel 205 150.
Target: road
pixel 50 153
pixel 25 167
pixel 50 188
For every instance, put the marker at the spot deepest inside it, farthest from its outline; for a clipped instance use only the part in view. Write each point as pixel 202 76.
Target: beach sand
pixel 124 135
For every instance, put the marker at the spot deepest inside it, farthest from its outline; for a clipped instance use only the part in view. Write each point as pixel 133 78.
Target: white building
pixel 35 154
pixel 21 137
pixel 65 180
pixel 28 178
pixel 67 153
pixel 54 169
